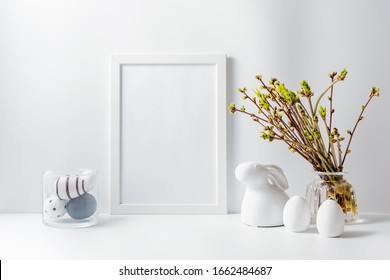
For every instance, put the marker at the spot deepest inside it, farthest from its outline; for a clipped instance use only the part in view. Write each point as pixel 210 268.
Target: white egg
pixel 68 187
pixel 49 173
pixel 90 177
pixel 54 207
pixel 330 219
pixel 296 214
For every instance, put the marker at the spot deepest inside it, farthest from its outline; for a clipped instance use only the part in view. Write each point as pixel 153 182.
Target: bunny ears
pixel 276 176
pixel 248 172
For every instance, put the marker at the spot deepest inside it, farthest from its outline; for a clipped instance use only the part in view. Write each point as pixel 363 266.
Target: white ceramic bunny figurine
pixel 264 198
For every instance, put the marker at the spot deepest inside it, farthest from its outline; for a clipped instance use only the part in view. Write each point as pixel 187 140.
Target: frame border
pixel 115 173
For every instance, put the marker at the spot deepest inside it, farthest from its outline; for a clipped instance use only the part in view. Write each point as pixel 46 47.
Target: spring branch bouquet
pixel 301 122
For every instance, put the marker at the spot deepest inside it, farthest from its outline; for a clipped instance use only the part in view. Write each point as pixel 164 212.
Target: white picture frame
pixel 168 134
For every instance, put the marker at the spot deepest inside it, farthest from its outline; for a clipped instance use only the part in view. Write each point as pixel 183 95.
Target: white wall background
pixel 54 80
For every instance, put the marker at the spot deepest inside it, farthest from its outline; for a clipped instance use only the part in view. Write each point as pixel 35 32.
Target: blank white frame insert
pixel 168 134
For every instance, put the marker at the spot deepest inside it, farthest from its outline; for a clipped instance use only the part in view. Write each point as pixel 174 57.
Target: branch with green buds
pixel 291 117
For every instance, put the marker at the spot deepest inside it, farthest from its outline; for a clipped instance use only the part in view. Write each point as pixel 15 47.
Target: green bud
pixel 257 92
pixel 232 108
pixel 322 112
pixel 375 91
pixel 317 134
pixel 287 94
pixel 343 74
pixel 308 136
pixel 306 91
pixel 269 135
pixel 263 102
pixel 272 81
pixel 242 90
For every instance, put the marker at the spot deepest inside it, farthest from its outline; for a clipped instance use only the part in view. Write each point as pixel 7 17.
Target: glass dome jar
pixel 70 199
pixel 332 185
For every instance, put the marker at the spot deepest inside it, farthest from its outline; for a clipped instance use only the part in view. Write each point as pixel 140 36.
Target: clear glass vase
pixel 332 185
pixel 70 198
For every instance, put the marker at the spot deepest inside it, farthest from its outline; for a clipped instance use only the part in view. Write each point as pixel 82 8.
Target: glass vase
pixel 70 198
pixel 332 185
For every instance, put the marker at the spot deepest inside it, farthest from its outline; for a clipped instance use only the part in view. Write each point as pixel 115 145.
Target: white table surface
pixel 205 237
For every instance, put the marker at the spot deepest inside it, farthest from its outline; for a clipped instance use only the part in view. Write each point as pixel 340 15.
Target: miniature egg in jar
pixel 54 207
pixel 82 207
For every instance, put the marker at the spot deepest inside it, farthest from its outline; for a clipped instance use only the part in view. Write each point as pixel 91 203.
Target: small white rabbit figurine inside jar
pixel 265 195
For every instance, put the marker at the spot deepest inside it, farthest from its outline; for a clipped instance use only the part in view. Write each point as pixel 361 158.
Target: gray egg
pixel 82 207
